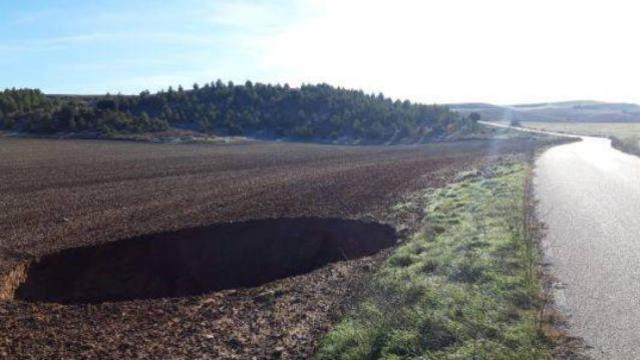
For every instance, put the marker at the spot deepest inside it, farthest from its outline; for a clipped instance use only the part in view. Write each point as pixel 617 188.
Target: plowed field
pixel 98 196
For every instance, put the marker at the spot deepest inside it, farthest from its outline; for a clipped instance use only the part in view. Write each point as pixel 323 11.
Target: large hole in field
pixel 200 260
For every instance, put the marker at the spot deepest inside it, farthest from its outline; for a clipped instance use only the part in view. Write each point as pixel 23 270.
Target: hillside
pixel 567 111
pixel 311 112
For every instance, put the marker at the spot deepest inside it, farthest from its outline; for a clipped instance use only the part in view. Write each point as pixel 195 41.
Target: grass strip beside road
pixel 630 145
pixel 465 286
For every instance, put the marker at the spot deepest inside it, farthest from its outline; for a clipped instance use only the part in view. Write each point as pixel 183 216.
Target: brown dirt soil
pixel 66 194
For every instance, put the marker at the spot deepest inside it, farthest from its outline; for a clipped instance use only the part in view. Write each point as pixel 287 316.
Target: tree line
pixel 30 110
pixel 320 112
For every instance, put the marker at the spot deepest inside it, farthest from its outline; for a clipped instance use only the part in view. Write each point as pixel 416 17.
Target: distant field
pixel 620 130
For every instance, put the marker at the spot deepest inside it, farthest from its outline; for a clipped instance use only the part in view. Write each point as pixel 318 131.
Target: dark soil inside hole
pixel 200 260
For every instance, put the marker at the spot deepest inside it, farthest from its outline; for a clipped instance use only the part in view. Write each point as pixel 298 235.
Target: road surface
pixel 589 198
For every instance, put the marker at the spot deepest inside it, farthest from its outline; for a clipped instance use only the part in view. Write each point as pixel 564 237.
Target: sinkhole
pixel 199 260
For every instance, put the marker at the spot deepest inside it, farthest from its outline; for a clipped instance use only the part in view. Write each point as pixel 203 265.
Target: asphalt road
pixel 589 198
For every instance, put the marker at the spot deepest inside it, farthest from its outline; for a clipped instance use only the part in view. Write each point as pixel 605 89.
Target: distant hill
pixel 309 113
pixel 566 111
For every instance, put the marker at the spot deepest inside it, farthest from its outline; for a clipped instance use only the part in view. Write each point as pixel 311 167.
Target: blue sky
pixel 70 46
pixel 499 51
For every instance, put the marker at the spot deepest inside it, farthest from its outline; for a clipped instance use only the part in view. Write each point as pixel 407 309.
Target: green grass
pixel 460 288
